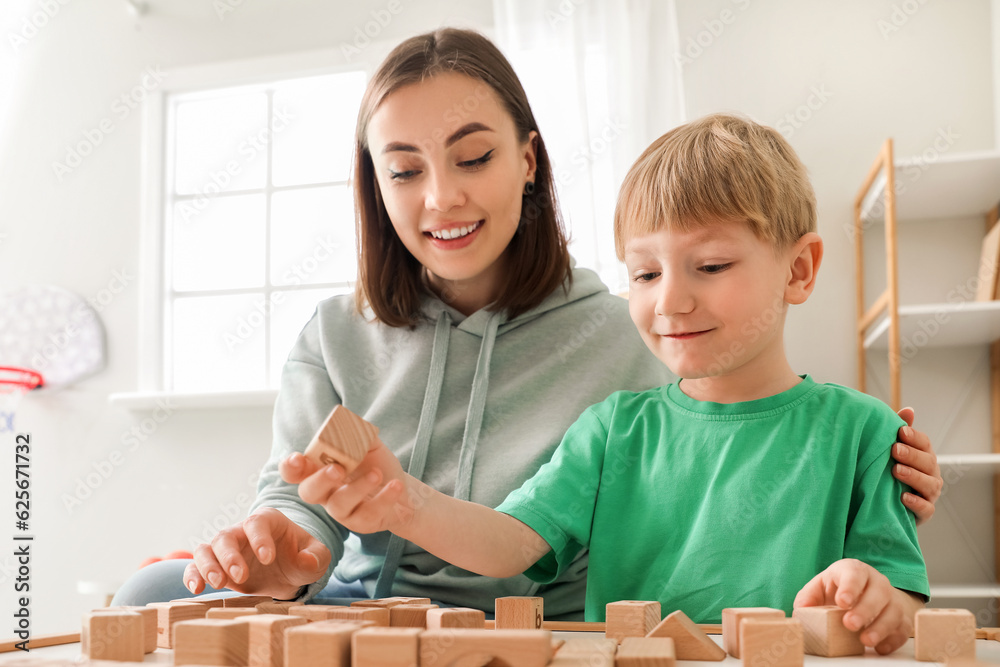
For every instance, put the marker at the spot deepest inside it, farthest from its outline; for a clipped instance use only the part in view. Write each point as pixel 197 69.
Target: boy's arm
pixel 379 495
pixel 883 613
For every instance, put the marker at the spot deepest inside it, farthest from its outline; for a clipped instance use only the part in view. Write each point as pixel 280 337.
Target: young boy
pixel 741 485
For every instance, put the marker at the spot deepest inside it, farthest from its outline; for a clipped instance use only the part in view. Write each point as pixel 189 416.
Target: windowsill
pixel 139 401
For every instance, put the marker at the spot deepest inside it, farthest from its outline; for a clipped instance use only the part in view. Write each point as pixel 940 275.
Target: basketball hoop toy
pixel 19 380
pixel 14 383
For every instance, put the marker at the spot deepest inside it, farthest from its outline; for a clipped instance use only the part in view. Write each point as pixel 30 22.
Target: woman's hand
pixel 265 554
pixel 917 467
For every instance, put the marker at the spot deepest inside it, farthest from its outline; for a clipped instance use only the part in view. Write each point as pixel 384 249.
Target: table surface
pixel 987 651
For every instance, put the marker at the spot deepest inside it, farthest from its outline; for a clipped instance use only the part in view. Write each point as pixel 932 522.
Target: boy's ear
pixel 804 260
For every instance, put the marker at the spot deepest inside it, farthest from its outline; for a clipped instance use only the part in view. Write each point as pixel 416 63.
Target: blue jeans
pixel 163 581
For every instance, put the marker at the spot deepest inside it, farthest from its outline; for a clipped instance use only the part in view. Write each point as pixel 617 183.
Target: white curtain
pixel 604 81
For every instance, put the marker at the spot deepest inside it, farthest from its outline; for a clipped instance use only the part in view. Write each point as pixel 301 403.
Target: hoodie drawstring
pixel 470 439
pixel 477 405
pixel 428 415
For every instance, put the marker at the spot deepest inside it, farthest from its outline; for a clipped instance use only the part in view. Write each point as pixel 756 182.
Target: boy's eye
pixel 479 161
pixel 715 268
pixel 645 277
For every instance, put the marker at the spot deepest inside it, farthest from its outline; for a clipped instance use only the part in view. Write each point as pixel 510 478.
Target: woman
pixel 471 342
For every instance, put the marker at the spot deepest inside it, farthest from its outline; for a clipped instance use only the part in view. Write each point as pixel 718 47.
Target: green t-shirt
pixel 704 506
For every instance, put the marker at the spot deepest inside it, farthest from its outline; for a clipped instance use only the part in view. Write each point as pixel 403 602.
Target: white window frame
pixel 151 392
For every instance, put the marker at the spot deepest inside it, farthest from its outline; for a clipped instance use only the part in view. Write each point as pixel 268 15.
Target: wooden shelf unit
pixel 950 185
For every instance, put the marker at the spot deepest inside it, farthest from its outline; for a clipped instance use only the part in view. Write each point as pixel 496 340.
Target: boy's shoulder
pixel 628 405
pixel 852 400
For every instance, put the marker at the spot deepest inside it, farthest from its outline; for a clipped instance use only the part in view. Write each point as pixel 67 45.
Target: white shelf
pixel 966 592
pixel 140 401
pixel 950 186
pixel 940 325
pixel 985 460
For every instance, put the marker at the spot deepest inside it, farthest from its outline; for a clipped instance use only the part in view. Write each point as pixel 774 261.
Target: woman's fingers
pixel 209 567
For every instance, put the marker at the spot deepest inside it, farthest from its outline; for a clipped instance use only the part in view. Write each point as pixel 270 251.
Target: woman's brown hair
pixel 390 279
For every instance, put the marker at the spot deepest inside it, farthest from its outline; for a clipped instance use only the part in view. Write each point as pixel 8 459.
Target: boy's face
pixel 709 302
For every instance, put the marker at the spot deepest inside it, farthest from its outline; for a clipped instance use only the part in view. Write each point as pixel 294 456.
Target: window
pixel 257 225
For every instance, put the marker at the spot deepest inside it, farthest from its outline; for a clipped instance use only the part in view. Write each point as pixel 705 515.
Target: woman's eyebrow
pixel 461 132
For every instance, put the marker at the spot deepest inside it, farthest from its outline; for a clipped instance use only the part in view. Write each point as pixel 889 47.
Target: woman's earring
pixel 529 188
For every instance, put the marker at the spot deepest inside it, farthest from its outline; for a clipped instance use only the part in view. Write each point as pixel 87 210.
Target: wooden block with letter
pixel 450 647
pixel 231 612
pixel 771 643
pixel 824 633
pixel 115 635
pixel 733 616
pixel 320 644
pixel 646 652
pixel 149 617
pixel 267 638
pixel 519 613
pixel 211 641
pixel 343 438
pixel 631 618
pixel 945 635
pixel 455 617
pixel 169 613
pixel 386 647
pixel 409 615
pixel 690 641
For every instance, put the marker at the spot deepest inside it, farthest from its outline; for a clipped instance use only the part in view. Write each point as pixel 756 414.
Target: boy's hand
pixel 885 614
pixel 371 499
pixel 917 467
pixel 265 554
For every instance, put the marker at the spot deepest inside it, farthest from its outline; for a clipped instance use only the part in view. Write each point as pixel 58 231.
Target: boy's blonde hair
pixel 720 167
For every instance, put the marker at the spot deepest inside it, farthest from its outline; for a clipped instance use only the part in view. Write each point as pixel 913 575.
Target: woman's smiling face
pixel 451 171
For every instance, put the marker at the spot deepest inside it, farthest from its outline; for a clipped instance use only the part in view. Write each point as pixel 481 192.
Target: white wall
pixel 934 72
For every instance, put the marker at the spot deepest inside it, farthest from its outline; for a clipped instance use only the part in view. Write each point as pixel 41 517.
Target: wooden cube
pixel 169 613
pixel 212 602
pixel 409 615
pixel 320 644
pixel 733 616
pixel 771 643
pixel 585 652
pixel 211 641
pixel 230 612
pixel 824 633
pixel 519 613
pixel 386 647
pixel 455 617
pixel 250 601
pixel 944 635
pixel 149 616
pixel 314 612
pixel 631 618
pixel 267 638
pixel 389 602
pixel 524 648
pixel 275 607
pixel 344 438
pixel 690 641
pixel 115 635
pixel 646 652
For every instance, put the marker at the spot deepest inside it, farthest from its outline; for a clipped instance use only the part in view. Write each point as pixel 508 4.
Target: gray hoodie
pixel 472 405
